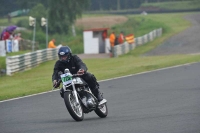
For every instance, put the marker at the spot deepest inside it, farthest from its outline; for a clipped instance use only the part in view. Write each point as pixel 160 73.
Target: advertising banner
pixel 9 46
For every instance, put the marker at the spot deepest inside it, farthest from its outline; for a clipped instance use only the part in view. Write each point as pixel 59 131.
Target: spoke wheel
pixel 74 108
pixel 102 111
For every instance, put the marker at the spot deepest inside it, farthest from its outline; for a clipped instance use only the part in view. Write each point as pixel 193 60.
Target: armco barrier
pixel 29 60
pixel 125 47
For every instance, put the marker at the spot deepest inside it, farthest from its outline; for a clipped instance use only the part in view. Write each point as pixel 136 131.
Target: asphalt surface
pixel 165 101
pixel 186 42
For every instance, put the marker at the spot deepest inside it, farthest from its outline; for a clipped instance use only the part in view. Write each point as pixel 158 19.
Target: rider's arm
pixel 80 63
pixel 55 71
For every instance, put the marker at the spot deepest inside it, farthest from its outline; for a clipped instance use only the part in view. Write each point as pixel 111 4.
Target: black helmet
pixel 64 51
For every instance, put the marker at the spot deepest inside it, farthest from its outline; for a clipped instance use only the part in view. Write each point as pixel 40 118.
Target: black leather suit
pixel 74 64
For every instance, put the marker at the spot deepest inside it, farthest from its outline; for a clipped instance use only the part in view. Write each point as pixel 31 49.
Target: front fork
pixel 74 92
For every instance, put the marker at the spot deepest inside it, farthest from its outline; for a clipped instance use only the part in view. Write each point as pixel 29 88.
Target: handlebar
pixel 77 75
pixel 59 80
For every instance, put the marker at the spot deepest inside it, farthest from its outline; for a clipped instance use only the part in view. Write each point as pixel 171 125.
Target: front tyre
pixel 73 108
pixel 102 110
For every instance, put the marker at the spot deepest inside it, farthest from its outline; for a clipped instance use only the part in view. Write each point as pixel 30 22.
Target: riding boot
pixel 98 95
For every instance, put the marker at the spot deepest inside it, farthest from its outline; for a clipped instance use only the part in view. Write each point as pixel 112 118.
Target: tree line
pixel 12 5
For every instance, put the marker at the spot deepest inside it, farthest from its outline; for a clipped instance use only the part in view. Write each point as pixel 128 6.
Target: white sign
pixel 2 48
pixel 15 46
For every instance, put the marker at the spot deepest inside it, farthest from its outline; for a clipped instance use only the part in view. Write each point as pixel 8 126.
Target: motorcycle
pixel 78 97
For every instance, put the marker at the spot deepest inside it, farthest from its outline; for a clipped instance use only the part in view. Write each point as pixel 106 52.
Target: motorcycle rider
pixel 75 66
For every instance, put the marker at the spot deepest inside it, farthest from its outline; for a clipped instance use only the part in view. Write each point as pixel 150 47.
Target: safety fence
pixel 29 60
pixel 125 47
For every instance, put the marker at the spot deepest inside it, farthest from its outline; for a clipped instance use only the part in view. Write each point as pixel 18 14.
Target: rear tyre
pixel 73 108
pixel 102 110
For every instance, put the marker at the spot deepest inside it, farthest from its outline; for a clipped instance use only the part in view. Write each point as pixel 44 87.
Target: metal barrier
pixel 27 61
pixel 125 47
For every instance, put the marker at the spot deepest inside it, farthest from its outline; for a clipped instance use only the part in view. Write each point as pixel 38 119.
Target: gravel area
pixel 186 42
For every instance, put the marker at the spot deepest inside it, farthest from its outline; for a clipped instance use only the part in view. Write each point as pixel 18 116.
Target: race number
pixel 66 78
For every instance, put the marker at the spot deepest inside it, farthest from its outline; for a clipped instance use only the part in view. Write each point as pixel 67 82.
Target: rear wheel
pixel 102 110
pixel 73 107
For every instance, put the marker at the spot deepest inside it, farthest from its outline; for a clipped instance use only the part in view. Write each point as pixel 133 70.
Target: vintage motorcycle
pixel 78 97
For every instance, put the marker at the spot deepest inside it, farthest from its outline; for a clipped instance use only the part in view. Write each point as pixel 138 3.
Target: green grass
pixel 39 78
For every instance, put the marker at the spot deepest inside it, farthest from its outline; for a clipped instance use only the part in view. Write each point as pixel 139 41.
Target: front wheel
pixel 73 107
pixel 102 110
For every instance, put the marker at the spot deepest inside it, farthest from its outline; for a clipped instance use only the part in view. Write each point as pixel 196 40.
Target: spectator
pixel 52 44
pixel 112 39
pixel 18 37
pixel 7 35
pixel 116 40
pixel 121 38
pixel 104 35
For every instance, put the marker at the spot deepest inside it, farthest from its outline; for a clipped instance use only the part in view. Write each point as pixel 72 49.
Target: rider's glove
pixel 81 71
pixel 55 84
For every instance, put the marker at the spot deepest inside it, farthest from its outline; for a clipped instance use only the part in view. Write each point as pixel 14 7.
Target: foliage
pixel 23 23
pixel 63 13
pixel 114 4
pixel 8 6
pixel 41 38
pixel 27 4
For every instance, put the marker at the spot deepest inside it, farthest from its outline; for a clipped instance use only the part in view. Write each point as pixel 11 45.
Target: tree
pixel 7 6
pixel 27 4
pixel 63 13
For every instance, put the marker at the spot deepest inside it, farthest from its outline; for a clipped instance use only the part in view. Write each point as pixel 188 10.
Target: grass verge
pixel 39 79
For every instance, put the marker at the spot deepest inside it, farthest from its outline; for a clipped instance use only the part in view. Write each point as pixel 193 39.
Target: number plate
pixel 66 78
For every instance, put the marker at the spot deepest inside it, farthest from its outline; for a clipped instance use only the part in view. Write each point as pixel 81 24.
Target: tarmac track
pixel 186 42
pixel 165 101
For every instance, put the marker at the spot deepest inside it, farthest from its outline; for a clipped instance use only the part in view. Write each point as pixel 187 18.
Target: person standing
pixel 52 44
pixel 112 39
pixel 121 38
pixel 6 35
pixel 104 35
